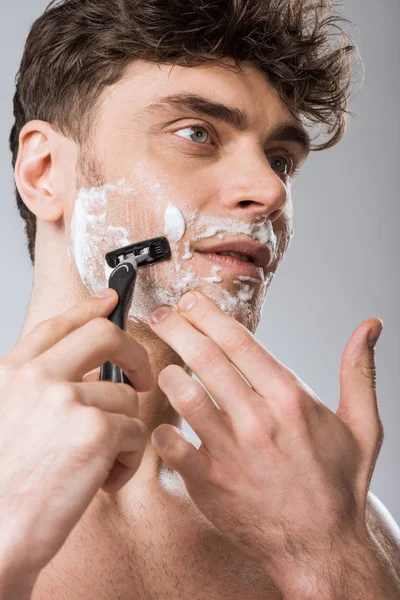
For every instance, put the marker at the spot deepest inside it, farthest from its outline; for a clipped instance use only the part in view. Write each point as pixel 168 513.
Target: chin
pixel 240 300
pixel 251 319
pixel 248 313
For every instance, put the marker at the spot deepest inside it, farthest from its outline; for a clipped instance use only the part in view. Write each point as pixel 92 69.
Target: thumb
pixel 358 407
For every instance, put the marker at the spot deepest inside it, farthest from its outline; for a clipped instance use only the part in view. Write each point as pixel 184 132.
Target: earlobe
pixel 34 171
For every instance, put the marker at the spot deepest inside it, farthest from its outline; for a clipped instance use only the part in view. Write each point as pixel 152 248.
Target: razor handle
pixel 122 280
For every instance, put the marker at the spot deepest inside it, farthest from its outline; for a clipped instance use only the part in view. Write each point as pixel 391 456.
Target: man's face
pixel 180 169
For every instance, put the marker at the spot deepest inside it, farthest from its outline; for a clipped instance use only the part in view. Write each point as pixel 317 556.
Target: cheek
pixel 284 230
pixel 102 221
pixel 112 216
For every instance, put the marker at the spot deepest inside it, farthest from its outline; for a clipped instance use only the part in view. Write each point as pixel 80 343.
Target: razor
pixel 125 263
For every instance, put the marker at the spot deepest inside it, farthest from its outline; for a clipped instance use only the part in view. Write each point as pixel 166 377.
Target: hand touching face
pixel 222 177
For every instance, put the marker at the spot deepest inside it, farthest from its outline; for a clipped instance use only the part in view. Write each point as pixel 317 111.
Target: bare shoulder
pixel 379 518
pixel 384 530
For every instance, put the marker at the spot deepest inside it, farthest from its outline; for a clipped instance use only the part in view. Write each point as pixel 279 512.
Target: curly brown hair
pixel 77 47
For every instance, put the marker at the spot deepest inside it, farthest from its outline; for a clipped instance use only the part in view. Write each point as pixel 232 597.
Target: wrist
pixel 322 576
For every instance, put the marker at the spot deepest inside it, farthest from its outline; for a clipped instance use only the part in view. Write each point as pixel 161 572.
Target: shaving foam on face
pixel 89 232
pixel 246 278
pixel 184 279
pixel 187 254
pixel 174 223
pixel 246 293
pixel 260 232
pixel 214 278
pixel 94 232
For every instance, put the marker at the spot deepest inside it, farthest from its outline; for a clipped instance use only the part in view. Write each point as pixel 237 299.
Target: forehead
pixel 248 88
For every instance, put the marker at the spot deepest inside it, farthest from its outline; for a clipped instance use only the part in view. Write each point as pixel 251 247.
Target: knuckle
pixel 369 373
pixel 294 412
pixel 52 326
pixel 249 424
pixel 293 385
pixel 190 398
pixel 65 393
pixel 104 331
pixel 239 342
pixel 295 402
pixel 97 429
pixel 256 432
pixel 91 307
pixel 292 396
pixel 133 430
pixel 208 354
pixel 32 373
pixel 133 401
pixel 217 476
pixel 140 429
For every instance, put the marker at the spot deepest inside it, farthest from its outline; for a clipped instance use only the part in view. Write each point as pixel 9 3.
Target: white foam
pixel 174 223
pixel 214 278
pixel 188 255
pixel 92 235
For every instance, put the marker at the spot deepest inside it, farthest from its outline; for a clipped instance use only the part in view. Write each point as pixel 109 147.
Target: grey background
pixel 342 265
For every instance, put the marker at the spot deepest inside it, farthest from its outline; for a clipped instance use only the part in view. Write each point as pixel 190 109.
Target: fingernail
pixel 159 315
pixel 106 293
pixel 374 336
pixel 187 302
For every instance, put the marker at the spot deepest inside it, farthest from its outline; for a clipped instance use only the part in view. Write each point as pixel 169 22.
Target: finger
pixel 107 396
pixel 179 453
pixel 93 344
pixel 193 403
pixel 92 376
pixel 207 360
pixel 120 475
pixel 134 436
pixel 262 370
pixel 358 406
pixel 49 332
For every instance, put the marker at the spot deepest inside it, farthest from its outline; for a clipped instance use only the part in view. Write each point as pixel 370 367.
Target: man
pixel 112 147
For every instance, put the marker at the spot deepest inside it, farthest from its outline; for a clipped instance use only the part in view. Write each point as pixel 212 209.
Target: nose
pixel 255 188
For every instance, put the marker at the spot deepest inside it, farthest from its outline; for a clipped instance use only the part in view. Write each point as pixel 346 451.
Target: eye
pixel 280 162
pixel 196 133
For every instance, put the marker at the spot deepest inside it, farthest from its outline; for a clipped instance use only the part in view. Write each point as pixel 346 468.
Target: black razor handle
pixel 122 280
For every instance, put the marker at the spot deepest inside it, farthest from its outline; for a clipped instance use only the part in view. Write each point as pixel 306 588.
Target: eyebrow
pixel 233 116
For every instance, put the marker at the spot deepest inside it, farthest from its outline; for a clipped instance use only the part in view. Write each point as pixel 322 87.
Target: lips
pixel 237 265
pixel 259 253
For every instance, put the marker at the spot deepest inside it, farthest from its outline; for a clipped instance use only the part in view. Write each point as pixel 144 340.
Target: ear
pixel 35 170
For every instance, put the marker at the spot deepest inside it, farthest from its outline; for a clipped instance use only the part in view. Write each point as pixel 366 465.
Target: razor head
pixel 152 251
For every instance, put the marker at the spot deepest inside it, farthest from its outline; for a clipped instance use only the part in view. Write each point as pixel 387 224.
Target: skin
pixel 145 151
